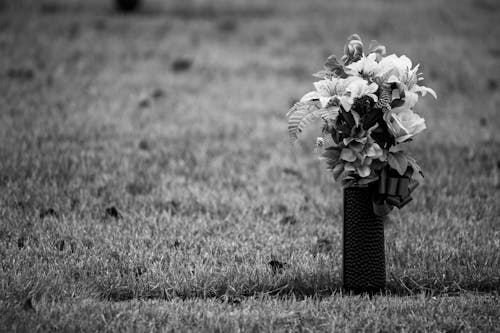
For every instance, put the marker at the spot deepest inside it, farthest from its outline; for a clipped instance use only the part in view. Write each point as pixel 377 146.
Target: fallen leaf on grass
pixel 227 25
pixel 21 241
pixel 48 212
pixel 21 73
pixel 28 305
pixel 144 102
pixel 146 99
pixel 492 84
pixel 288 220
pixel 139 188
pixel 88 243
pixel 277 266
pixel 181 64
pixel 60 244
pixel 75 202
pixel 24 238
pixel 51 8
pixel 230 299
pixel 483 122
pixel 63 243
pixel 158 93
pixel 118 294
pixel 127 6
pixel 113 212
pixel 144 145
pixel 171 206
pixel 293 172
pixel 139 270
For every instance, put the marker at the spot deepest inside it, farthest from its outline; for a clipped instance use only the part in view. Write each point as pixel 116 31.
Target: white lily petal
pixel 322 87
pixel 393 79
pixel 425 90
pixel 346 102
pixel 372 87
pixel 324 101
pixel 355 68
pixel 405 61
pixel 372 57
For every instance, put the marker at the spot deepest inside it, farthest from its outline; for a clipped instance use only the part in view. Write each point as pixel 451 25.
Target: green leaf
pixel 329 114
pixel 398 161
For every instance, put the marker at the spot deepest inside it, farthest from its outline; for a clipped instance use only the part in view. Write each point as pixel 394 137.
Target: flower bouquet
pixel 365 102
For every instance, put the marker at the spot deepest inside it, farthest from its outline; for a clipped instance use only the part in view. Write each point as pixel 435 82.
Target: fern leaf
pixel 385 98
pixel 298 122
pixel 309 105
pixel 299 116
pixel 329 113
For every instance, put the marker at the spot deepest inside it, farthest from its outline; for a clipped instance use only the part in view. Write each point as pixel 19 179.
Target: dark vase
pixel 363 244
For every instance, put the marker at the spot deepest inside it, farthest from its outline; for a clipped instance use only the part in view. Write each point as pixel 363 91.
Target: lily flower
pixel 336 92
pixel 398 70
pixel 356 88
pixel 366 67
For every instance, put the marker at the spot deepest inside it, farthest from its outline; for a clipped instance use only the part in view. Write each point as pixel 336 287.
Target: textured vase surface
pixel 363 243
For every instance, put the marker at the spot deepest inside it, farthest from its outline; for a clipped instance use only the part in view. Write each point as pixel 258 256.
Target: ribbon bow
pixel 391 190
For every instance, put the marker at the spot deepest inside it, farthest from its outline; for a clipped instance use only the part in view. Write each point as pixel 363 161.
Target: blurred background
pixel 137 133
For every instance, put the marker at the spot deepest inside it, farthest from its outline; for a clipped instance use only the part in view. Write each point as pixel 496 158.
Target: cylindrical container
pixel 363 260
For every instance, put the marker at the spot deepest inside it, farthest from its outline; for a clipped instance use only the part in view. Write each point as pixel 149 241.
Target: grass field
pixel 147 182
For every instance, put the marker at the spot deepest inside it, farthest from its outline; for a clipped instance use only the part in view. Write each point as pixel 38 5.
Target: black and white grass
pixel 123 208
